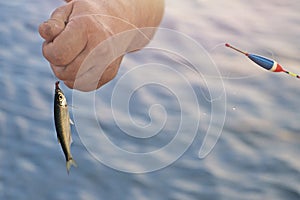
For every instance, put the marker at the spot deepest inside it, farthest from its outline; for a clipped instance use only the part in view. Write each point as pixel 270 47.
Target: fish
pixel 62 125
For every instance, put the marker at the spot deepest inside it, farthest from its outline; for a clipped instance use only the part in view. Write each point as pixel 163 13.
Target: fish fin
pixel 73 106
pixel 69 163
pixel 71 122
pixel 71 140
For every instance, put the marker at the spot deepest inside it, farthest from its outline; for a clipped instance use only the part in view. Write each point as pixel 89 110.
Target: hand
pixel 85 40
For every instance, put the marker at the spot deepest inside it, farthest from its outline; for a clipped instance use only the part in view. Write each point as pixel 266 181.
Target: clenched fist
pixel 85 40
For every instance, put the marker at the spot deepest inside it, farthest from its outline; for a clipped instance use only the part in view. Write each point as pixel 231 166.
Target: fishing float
pixel 266 63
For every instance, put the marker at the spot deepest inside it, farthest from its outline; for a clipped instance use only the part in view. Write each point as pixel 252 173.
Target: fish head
pixel 60 98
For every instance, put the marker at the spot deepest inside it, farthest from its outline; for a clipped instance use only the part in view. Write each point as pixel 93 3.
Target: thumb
pixel 57 22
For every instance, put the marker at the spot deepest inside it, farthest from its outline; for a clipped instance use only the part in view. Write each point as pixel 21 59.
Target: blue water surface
pixel 255 157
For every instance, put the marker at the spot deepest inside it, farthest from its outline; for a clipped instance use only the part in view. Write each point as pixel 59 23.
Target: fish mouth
pixel 57 85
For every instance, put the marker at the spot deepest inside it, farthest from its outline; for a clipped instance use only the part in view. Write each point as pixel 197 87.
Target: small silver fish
pixel 62 124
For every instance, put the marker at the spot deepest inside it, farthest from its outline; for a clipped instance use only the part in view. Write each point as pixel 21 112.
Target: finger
pixel 67 45
pixel 95 77
pixel 75 68
pixel 70 72
pixel 111 72
pixel 57 22
pixel 59 72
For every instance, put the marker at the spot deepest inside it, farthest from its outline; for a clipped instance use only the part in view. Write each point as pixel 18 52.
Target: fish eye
pixel 60 97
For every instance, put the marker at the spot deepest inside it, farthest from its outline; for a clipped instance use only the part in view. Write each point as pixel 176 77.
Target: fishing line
pixel 227 77
pixel 216 46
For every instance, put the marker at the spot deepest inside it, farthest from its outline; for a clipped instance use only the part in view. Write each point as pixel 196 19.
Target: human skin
pixel 77 28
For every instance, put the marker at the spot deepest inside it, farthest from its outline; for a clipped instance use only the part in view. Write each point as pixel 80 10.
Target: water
pixel 256 156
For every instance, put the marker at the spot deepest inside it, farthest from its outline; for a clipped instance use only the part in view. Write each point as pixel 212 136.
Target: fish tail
pixel 70 162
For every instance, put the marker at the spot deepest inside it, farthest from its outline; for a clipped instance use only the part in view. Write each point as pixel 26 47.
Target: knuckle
pixel 59 72
pixel 55 57
pixel 69 84
pixel 57 12
pixel 60 76
pixel 108 75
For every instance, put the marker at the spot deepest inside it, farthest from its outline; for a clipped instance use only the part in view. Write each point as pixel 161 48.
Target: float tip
pixel 236 49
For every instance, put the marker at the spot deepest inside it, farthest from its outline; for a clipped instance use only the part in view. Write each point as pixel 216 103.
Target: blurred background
pixel 256 156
